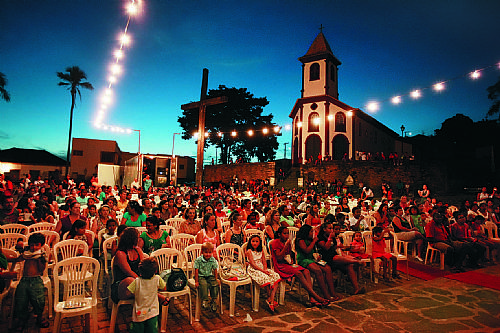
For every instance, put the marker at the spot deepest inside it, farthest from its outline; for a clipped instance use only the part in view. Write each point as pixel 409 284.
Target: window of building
pixel 314 72
pixel 313 122
pixel 340 122
pixel 77 152
pixel 181 166
pixel 107 157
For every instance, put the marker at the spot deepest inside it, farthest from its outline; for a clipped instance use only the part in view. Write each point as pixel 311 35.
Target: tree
pixel 73 78
pixel 242 112
pixel 494 95
pixel 4 93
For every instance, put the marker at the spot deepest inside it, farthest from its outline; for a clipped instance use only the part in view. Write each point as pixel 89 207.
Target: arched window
pixel 313 122
pixel 340 122
pixel 314 72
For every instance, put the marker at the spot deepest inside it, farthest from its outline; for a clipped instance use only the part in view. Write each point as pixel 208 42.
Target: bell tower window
pixel 314 72
pixel 313 122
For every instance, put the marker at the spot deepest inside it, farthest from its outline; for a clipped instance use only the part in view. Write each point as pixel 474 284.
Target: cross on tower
pixel 202 105
pixel 321 28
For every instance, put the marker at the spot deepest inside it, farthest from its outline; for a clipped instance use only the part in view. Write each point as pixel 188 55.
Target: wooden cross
pixel 202 106
pixel 321 27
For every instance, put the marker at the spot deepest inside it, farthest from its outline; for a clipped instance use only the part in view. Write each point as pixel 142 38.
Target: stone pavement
pixel 439 305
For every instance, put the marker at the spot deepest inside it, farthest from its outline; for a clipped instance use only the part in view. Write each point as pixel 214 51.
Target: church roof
pixel 30 156
pixel 319 49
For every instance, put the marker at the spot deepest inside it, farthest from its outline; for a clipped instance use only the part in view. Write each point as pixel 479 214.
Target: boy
pixel 30 289
pixel 146 305
pixel 205 272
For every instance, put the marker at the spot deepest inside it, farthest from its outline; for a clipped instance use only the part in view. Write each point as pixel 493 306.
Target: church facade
pixel 323 126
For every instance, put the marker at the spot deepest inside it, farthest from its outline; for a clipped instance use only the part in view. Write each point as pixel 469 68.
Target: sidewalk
pixel 439 305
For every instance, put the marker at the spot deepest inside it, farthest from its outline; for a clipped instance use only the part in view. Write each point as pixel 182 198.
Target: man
pixel 8 213
pixel 6 186
pixel 135 184
pixel 461 232
pixel 357 222
pixel 122 202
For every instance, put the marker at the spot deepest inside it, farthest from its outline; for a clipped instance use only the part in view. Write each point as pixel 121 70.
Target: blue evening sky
pixel 386 48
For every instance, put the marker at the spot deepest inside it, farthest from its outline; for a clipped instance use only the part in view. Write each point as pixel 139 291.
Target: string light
pixel 372 106
pixel 438 86
pixel 233 133
pixel 396 100
pixel 250 133
pixel 265 130
pixel 416 94
pixel 475 75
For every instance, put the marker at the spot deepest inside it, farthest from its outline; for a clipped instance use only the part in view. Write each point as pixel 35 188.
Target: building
pixel 104 157
pixel 326 127
pixel 16 163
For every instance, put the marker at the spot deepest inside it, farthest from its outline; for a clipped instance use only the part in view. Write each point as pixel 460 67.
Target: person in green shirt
pixel 153 238
pixel 134 217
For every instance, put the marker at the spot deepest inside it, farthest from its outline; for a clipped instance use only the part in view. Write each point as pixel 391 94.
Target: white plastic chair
pixel 115 307
pixel 69 248
pixel 14 228
pixel 175 222
pixel 167 259
pixel 9 240
pixel 229 251
pixel 181 241
pixel 41 226
pixel 75 301
pixel 491 230
pixel 433 254
pixel 191 253
pixel 292 232
pixel 169 229
pixel 395 252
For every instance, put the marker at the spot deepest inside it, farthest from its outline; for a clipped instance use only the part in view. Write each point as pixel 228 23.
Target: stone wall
pixel 371 173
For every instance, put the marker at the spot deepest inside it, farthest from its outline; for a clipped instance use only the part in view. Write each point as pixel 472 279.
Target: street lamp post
pixel 173 144
pixel 402 130
pixel 139 153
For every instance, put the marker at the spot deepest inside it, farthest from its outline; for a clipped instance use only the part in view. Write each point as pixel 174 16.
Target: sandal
pixel 270 305
pixel 42 323
pixel 316 303
pixel 326 303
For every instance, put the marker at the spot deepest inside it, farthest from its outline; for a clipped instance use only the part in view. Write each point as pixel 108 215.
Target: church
pixel 326 127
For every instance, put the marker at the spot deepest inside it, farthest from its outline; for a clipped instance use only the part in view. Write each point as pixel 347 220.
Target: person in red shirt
pixel 461 232
pixel 439 237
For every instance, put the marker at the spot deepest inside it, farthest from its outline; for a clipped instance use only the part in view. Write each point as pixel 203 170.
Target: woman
pixel 424 193
pixel 235 234
pixel 327 245
pixel 305 245
pixel 272 224
pixel 209 209
pixel 312 217
pixel 64 224
pixel 246 208
pixel 43 213
pixel 416 219
pixel 125 264
pixel 178 203
pixel 281 248
pixel 406 232
pixel 153 238
pixel 134 217
pixel 344 206
pixel 286 219
pixel 190 225
pixel 381 216
pixel 101 219
pixel 164 211
pixel 208 232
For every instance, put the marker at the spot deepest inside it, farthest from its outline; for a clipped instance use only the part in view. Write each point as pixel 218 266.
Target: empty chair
pixel 14 228
pixel 41 226
pixel 80 292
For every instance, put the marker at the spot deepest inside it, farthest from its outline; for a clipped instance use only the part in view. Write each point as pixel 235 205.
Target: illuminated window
pixel 313 122
pixel 340 122
pixel 314 72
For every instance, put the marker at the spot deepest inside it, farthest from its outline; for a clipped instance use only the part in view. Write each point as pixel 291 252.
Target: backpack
pixel 233 269
pixel 175 279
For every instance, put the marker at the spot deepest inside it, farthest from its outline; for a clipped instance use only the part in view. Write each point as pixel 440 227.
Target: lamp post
pixel 136 130
pixel 286 143
pixel 173 144
pixel 139 160
pixel 402 130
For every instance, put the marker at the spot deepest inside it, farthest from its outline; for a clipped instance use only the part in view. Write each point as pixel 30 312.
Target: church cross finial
pixel 321 28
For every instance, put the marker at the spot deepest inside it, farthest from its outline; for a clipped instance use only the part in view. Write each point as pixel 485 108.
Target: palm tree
pixel 73 78
pixel 4 93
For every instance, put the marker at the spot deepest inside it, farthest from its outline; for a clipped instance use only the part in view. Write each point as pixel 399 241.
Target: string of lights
pixel 132 8
pixel 374 106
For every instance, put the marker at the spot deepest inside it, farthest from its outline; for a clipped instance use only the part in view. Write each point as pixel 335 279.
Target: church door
pixel 313 147
pixel 340 146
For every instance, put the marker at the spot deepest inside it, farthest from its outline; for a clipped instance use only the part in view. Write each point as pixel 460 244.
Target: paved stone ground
pixel 439 305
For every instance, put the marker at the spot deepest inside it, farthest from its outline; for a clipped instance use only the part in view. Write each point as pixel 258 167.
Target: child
pixel 357 249
pixel 30 289
pixel 110 232
pixel 78 232
pixel 257 269
pixel 205 272
pixel 145 290
pixel 252 222
pixel 378 252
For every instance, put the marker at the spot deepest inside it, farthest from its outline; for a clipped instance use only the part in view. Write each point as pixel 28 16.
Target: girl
pixel 328 242
pixel 281 247
pixel 357 249
pixel 379 252
pixel 313 218
pixel 272 224
pixel 305 246
pixel 252 222
pixel 78 231
pixel 209 232
pixel 257 269
pixel 235 233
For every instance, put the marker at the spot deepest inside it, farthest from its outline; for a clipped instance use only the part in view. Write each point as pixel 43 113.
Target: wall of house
pixel 86 163
pixel 15 171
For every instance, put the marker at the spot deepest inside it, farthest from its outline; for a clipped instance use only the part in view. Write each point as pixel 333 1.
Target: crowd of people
pixel 224 214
